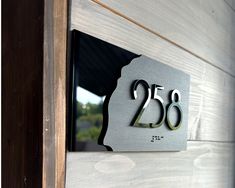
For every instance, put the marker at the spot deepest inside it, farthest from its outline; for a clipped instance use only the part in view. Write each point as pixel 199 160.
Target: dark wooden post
pixel 33 93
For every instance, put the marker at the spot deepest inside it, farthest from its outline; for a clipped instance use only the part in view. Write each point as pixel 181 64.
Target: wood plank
pixel 22 75
pixel 231 4
pixel 54 93
pixel 212 94
pixel 204 164
pixel 205 28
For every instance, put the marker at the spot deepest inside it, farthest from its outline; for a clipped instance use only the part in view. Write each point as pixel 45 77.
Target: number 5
pixel 158 98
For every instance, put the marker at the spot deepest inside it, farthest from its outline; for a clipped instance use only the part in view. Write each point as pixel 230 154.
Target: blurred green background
pixel 89 121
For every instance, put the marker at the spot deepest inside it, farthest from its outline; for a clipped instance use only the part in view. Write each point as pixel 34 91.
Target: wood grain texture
pixel 204 164
pixel 204 28
pixel 22 75
pixel 54 93
pixel 212 93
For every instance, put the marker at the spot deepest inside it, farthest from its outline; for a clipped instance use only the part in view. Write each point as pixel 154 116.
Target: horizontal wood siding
pixel 204 164
pixel 231 3
pixel 212 92
pixel 202 27
pixel 196 37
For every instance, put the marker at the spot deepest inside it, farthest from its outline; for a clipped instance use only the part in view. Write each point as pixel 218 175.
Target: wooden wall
pixel 34 37
pixel 197 37
pixel 22 97
pixel 54 93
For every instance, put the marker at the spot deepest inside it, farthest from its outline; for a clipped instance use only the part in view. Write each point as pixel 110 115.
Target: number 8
pixel 174 104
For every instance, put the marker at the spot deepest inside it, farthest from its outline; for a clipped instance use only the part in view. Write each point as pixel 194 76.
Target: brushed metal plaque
pixel 148 110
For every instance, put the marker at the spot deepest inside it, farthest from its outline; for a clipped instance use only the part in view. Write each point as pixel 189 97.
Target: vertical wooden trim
pixel 54 92
pixel 48 100
pixel 60 32
pixel 22 111
pixel 33 96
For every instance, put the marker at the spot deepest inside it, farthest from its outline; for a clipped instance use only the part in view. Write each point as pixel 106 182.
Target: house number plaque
pixel 148 110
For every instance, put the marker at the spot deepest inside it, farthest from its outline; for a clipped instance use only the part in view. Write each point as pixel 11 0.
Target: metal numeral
pixel 135 121
pixel 164 114
pixel 158 98
pixel 174 103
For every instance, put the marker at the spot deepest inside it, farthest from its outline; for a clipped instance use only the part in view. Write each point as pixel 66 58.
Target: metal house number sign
pixel 155 96
pixel 148 110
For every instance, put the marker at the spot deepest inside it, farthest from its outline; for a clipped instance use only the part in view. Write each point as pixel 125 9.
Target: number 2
pixel 140 111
